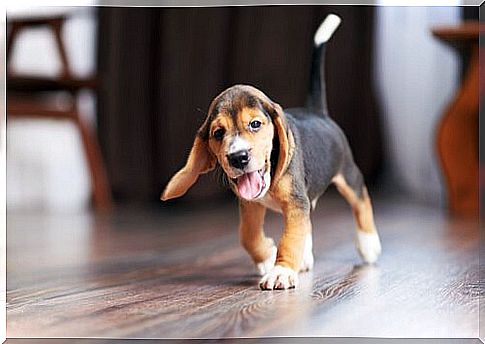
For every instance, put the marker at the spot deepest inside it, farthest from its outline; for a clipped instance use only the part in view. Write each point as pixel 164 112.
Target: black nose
pixel 239 159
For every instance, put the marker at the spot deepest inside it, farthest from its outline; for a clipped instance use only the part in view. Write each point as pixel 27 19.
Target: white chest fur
pixel 270 203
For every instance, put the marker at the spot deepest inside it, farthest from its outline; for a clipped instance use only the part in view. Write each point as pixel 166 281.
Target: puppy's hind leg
pixel 261 249
pixel 351 186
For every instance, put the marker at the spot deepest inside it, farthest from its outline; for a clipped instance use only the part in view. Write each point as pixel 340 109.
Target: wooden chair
pixel 28 96
pixel 457 137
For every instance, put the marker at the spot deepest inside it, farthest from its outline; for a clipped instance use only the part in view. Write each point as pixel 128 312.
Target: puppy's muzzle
pixel 239 159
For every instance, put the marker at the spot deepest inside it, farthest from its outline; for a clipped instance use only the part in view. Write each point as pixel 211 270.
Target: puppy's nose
pixel 239 159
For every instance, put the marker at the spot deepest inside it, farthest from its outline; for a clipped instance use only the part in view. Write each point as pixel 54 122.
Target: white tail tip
pixel 326 29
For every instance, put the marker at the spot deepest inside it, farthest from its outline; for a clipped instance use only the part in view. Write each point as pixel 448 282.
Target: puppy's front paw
pixel 369 246
pixel 266 266
pixel 279 277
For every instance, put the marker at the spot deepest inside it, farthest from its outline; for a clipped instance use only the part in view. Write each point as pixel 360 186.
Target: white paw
pixel 279 277
pixel 307 261
pixel 266 266
pixel 369 246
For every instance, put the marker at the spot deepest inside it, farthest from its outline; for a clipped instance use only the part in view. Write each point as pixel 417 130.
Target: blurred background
pixel 104 102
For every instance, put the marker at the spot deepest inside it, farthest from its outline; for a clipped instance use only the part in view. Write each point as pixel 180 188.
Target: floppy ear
pixel 200 161
pixel 285 138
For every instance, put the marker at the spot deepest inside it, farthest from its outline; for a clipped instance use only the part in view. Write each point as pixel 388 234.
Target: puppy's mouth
pixel 251 184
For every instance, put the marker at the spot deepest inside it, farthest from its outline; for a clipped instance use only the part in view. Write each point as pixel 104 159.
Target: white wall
pixel 46 167
pixel 416 76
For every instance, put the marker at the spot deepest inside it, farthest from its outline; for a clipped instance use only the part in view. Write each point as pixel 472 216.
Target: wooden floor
pixel 178 273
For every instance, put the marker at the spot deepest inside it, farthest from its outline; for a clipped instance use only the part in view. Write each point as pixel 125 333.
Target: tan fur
pixel 219 148
pixel 269 202
pixel 297 225
pixel 260 142
pixel 251 231
pixel 361 207
pixel 200 161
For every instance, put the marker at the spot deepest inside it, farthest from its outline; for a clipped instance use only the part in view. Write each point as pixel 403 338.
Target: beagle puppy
pixel 282 160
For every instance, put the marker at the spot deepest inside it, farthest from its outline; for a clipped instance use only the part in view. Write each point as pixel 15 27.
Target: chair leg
pixel 9 48
pixel 99 180
pixel 457 143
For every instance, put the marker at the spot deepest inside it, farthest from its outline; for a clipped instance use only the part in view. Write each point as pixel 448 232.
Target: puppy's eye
pixel 219 134
pixel 255 124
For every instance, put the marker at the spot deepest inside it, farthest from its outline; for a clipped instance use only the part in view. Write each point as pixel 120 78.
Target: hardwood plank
pixel 182 274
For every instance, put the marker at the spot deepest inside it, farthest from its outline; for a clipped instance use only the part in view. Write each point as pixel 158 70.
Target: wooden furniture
pixel 457 138
pixel 31 96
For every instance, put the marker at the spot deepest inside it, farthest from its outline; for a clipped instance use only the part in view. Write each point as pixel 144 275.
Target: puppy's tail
pixel 318 97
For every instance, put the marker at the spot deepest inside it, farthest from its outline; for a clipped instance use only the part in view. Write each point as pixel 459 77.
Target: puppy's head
pixel 245 132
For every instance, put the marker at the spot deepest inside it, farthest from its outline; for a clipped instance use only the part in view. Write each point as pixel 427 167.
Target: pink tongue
pixel 249 185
